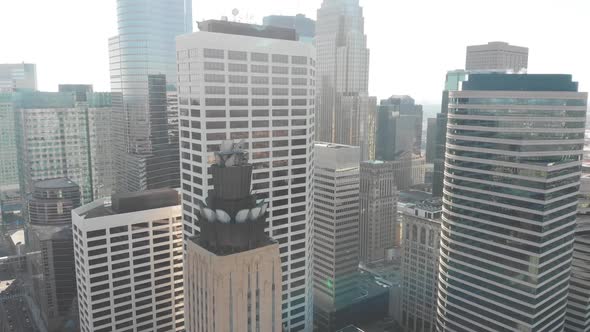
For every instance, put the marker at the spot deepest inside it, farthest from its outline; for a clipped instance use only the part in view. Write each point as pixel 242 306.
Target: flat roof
pixel 55 183
pixel 132 202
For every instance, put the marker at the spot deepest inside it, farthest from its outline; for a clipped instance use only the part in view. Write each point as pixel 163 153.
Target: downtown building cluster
pixel 242 178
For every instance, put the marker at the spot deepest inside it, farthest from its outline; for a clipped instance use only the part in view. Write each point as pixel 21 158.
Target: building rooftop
pixel 245 29
pixel 56 183
pixel 519 82
pixel 130 202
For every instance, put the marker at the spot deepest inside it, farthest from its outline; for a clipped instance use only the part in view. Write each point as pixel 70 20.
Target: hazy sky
pixel 413 42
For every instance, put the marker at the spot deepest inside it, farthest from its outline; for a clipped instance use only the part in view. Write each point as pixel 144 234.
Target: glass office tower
pixel 143 69
pixel 512 175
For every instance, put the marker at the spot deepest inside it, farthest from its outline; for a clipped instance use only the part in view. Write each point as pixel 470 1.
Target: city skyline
pixel 554 48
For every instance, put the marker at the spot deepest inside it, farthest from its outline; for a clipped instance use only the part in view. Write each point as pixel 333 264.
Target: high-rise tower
pixel 345 112
pixel 512 173
pixel 233 268
pixel 129 264
pixel 336 236
pixel 143 69
pixel 497 56
pixel 257 84
pixel 51 262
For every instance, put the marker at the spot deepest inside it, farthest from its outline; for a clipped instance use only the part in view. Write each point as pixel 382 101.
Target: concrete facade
pixel 498 56
pixel 129 263
pixel 336 225
pixel 262 91
pixel 377 210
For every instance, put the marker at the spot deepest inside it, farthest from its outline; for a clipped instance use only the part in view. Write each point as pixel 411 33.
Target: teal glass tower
pixel 143 78
pixel 512 175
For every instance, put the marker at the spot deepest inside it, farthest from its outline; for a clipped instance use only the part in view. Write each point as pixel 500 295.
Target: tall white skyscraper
pixel 335 231
pixel 128 251
pixel 257 84
pixel 345 112
pixel 512 173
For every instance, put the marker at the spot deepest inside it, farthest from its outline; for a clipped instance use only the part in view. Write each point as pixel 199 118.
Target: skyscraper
pixel 399 128
pixel 336 237
pixel 8 155
pixel 304 26
pixel 128 251
pixel 345 112
pixel 233 268
pixel 57 136
pixel 377 210
pixel 143 69
pixel 51 258
pixel 578 306
pixel 497 56
pixel 512 172
pixel 431 134
pixel 452 83
pixel 419 251
pixel 246 82
pixel 18 76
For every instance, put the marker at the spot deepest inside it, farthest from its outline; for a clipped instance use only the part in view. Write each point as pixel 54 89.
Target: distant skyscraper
pixel 233 268
pixel 8 155
pixel 578 307
pixel 512 172
pixel 345 112
pixel 497 56
pixel 336 232
pixel 431 133
pixel 408 170
pixel 399 128
pixel 240 81
pixel 143 69
pixel 378 211
pixel 51 258
pixel 305 27
pixel 56 137
pixel 419 250
pixel 81 91
pixel 128 252
pixel 452 83
pixel 18 76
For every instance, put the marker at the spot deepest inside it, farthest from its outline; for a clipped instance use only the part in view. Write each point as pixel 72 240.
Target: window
pixel 260 57
pixel 215 90
pixel 280 70
pixel 280 58
pixel 214 78
pixel 280 80
pixel 215 113
pixel 259 69
pixel 238 90
pixel 259 80
pixel 213 53
pixel 238 79
pixel 260 91
pixel 299 81
pixel 280 92
pixel 220 66
pixel 238 102
pixel 237 55
pixel 299 60
pixel 299 71
pixel 215 101
pixel 238 67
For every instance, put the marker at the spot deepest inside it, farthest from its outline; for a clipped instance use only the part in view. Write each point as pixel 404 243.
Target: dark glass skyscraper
pixel 512 174
pixel 143 69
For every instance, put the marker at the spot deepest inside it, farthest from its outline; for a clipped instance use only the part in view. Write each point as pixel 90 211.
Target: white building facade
pixel 262 91
pixel 129 260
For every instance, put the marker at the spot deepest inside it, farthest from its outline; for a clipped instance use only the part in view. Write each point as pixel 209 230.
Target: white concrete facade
pixel 261 91
pixel 129 268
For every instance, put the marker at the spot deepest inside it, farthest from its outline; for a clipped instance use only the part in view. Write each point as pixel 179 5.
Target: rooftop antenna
pixel 235 13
